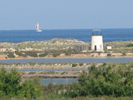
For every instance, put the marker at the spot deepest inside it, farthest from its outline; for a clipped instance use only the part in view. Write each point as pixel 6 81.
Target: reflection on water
pixel 58 80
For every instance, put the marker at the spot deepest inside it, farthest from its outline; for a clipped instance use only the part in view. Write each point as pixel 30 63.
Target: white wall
pixel 98 42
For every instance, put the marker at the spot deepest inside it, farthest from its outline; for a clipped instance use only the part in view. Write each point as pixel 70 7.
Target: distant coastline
pixel 63 48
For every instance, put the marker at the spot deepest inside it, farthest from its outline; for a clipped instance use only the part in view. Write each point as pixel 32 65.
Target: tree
pixel 9 82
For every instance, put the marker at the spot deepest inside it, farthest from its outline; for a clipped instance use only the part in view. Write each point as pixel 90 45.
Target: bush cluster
pixel 112 80
pixel 129 45
pixel 108 54
pixel 55 53
pixel 74 65
pixel 10 85
pixel 42 55
pixel 10 55
pixel 31 53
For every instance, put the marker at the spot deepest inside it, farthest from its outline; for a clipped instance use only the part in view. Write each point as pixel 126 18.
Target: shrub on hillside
pixel 11 55
pixel 42 55
pixel 56 54
pixel 80 64
pixel 108 54
pixel 129 45
pixel 20 53
pixel 74 65
pixel 32 53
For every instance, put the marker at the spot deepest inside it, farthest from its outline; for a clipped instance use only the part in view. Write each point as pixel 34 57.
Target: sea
pixel 109 35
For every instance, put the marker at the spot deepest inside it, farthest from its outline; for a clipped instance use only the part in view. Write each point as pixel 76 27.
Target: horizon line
pixel 61 29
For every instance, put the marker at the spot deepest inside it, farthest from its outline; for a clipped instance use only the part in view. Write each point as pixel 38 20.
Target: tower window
pixel 100 46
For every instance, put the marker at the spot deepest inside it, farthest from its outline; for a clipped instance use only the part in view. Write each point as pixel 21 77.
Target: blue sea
pixel 109 35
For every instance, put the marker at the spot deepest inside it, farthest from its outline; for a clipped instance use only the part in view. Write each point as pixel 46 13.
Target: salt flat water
pixel 58 81
pixel 109 35
pixel 69 60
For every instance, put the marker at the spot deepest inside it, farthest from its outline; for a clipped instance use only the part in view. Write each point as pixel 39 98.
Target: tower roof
pixel 96 32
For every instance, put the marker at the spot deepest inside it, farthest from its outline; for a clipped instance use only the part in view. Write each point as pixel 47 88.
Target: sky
pixel 65 14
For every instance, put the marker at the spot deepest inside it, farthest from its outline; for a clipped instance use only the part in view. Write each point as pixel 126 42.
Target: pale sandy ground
pixel 91 55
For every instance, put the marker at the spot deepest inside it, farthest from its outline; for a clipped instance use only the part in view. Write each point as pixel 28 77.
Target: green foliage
pixel 111 80
pixel 108 54
pixel 32 53
pixel 123 54
pixel 9 82
pixel 20 53
pixel 11 55
pixel 17 52
pixel 31 72
pixel 32 63
pixel 80 64
pixel 56 54
pixel 10 85
pixel 74 65
pixel 104 64
pixel 129 45
pixel 42 55
pixel 31 89
pixel 64 73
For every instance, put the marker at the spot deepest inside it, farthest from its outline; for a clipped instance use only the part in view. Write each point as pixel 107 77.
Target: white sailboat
pixel 37 28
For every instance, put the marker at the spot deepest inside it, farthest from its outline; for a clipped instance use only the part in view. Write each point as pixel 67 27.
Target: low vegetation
pixel 10 55
pixel 11 85
pixel 56 47
pixel 74 65
pixel 109 81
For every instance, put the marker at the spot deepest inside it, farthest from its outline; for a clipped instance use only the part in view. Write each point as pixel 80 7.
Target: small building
pixel 97 41
pixel 109 47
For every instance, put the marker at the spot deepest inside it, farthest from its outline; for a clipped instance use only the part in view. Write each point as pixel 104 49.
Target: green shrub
pixel 50 72
pixel 31 72
pixel 104 64
pixel 113 80
pixel 11 55
pixel 64 73
pixel 9 82
pixel 108 54
pixel 74 65
pixel 56 54
pixel 32 53
pixel 41 73
pixel 80 64
pixel 17 52
pixel 129 45
pixel 42 55
pixel 11 85
pixel 20 53
pixel 32 63
pixel 123 54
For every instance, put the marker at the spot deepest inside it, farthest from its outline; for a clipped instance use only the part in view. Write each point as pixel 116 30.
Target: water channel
pixel 68 60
